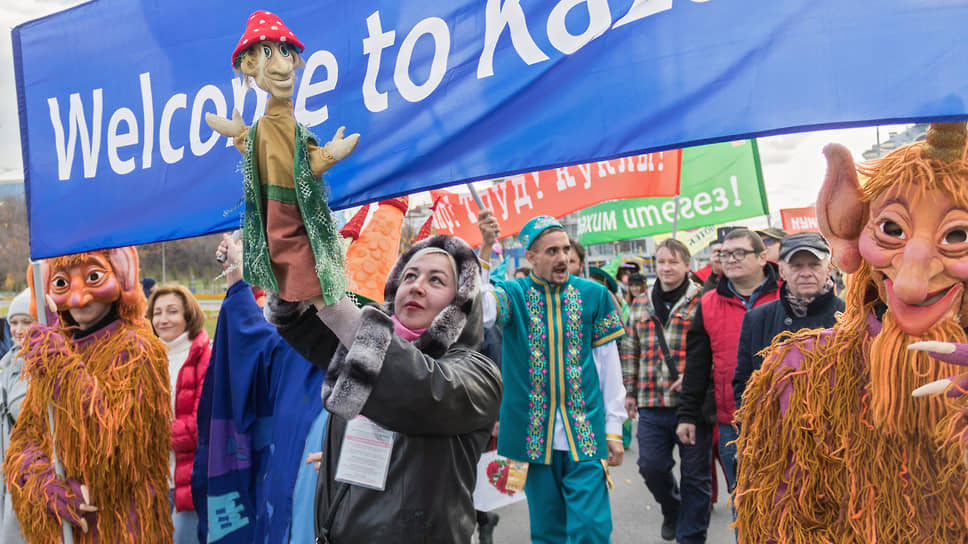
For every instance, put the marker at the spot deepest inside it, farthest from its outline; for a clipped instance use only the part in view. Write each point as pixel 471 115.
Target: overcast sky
pixel 12 13
pixel 793 165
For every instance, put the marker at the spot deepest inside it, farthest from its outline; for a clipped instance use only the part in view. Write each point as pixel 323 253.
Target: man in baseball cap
pixel 811 242
pixel 807 301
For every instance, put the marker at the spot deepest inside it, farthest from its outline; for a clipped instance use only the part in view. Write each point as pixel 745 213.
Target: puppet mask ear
pixel 125 263
pixel 841 211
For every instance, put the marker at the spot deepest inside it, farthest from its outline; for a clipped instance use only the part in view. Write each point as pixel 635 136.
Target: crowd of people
pixel 333 421
pixel 252 444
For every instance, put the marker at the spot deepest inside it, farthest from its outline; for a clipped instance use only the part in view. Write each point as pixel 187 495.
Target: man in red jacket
pixel 748 281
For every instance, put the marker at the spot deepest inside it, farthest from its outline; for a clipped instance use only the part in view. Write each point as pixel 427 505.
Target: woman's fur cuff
pixel 352 373
pixel 282 313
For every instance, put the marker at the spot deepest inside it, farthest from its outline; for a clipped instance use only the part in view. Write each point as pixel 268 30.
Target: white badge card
pixel 364 458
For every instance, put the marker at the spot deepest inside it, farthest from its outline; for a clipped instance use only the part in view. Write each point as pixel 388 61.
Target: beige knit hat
pixel 20 304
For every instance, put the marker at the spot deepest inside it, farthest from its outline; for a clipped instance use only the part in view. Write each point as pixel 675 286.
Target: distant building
pixel 914 133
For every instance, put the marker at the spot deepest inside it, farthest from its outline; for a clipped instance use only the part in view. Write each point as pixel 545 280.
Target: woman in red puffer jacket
pixel 178 320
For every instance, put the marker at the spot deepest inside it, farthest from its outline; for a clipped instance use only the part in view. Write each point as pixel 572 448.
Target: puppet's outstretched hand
pixel 955 387
pixel 323 158
pixel 229 129
pixel 339 147
pixel 956 354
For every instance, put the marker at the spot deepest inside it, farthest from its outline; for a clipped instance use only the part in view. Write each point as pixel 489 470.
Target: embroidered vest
pixel 549 333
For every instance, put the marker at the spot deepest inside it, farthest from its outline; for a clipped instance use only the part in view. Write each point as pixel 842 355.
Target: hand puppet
pixel 290 242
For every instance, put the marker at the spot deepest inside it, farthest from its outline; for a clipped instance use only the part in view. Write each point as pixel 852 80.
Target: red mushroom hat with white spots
pixel 264 26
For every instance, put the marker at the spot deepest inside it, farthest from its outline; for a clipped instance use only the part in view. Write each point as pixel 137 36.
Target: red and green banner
pixel 719 183
pixel 558 192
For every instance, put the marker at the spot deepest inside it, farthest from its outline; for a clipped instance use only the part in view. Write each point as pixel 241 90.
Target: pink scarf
pixel 403 332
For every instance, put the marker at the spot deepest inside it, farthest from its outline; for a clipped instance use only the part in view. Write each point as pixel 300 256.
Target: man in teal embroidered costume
pixel 563 405
pixel 290 239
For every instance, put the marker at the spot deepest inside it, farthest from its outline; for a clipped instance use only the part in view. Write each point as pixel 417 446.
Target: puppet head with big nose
pixel 268 52
pixel 85 287
pixel 909 223
pixel 903 235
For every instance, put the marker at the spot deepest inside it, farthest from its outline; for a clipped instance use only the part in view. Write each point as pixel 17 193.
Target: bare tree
pixel 189 261
pixel 14 251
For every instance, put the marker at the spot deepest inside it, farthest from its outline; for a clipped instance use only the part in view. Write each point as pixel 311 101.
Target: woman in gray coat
pixel 408 381
pixel 12 392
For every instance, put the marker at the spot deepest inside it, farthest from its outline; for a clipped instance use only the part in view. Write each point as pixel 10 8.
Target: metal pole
pixel 164 280
pixel 477 197
pixel 675 218
pixel 40 293
pixel 485 253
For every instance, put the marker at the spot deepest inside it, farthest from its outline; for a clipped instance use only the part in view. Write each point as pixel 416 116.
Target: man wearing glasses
pixel 748 281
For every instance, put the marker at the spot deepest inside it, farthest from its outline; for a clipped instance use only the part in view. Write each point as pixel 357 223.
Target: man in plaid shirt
pixel 652 384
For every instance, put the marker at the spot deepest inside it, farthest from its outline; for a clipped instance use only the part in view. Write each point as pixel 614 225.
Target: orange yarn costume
pixel 833 447
pixel 109 390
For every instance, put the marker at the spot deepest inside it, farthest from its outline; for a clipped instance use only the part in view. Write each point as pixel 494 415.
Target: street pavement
pixel 636 517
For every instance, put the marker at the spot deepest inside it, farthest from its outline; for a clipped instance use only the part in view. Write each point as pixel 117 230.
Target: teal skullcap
pixel 533 229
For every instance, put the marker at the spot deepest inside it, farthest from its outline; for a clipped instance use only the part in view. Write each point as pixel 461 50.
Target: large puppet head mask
pixel 903 237
pixel 908 223
pixel 108 276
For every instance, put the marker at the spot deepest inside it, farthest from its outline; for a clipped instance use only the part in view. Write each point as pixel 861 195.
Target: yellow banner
pixel 696 240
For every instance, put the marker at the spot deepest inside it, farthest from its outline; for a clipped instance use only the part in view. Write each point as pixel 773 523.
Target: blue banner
pixel 113 94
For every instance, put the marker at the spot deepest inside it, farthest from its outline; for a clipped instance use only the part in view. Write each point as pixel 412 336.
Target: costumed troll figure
pixel 105 374
pixel 833 446
pixel 290 242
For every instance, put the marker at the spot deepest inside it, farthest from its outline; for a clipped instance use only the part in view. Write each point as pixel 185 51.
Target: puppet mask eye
pixel 60 283
pixel 94 276
pixel 284 50
pixel 892 229
pixel 955 236
pixel 267 51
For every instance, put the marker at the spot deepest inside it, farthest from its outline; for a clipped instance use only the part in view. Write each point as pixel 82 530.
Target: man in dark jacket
pixel 807 301
pixel 748 281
